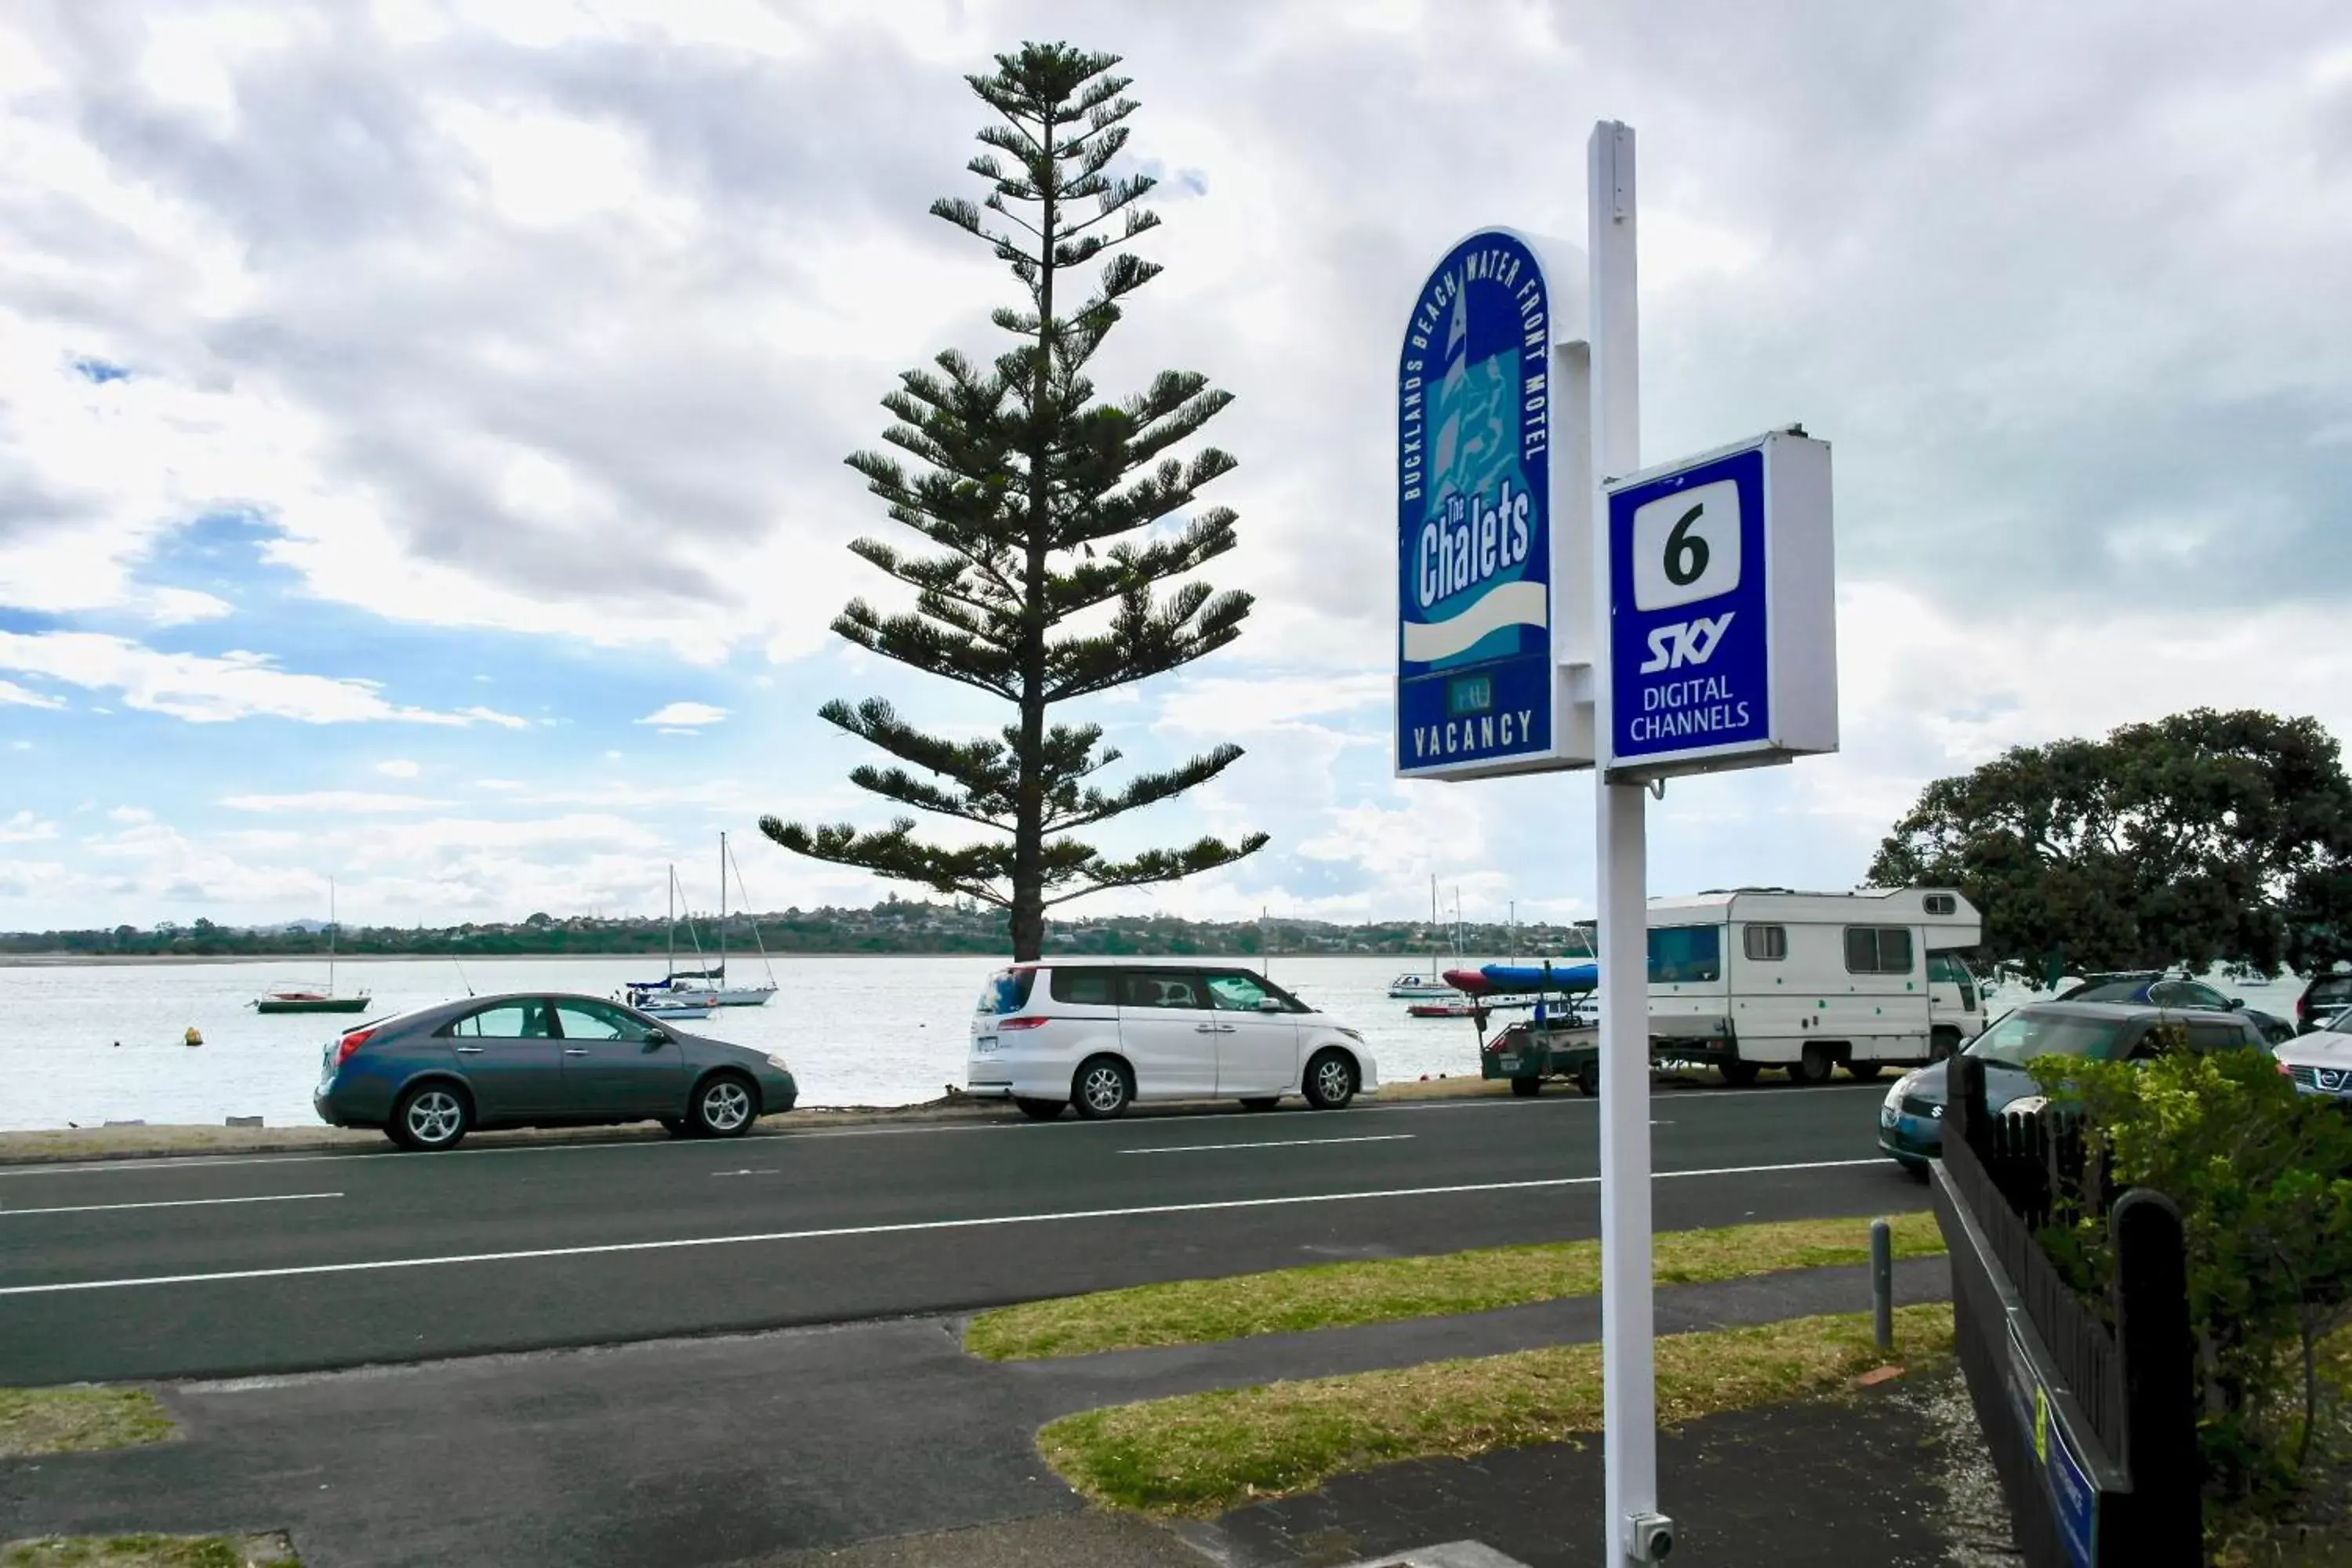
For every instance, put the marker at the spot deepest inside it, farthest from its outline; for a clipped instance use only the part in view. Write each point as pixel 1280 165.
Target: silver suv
pixel 1101 1033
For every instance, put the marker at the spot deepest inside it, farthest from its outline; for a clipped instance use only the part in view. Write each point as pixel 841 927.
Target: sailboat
pixel 738 996
pixel 675 995
pixel 1432 986
pixel 294 997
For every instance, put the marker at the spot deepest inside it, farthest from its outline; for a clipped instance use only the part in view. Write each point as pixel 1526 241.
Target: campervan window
pixel 1941 904
pixel 1680 955
pixel 1765 942
pixel 1877 949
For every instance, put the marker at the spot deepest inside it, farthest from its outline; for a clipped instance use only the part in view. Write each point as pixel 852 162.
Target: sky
pixel 421 433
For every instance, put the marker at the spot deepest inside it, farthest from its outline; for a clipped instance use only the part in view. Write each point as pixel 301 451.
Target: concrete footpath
pixel 878 1443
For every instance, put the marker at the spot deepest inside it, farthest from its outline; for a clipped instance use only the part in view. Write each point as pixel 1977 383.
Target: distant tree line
pixel 892 926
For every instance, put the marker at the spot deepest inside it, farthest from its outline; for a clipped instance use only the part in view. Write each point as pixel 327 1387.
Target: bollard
pixel 1881 1284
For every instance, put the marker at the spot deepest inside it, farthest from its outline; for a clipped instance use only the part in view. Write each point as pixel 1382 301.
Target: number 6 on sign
pixel 1686 546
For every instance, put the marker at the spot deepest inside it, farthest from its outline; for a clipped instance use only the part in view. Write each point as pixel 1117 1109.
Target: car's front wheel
pixel 1103 1088
pixel 1331 1080
pixel 431 1117
pixel 724 1107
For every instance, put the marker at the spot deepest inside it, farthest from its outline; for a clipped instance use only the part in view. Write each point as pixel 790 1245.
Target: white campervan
pixel 1761 977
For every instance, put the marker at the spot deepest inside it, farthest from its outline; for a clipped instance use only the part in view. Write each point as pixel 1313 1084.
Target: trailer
pixel 1766 977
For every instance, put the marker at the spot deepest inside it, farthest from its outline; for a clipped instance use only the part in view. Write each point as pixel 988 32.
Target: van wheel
pixel 1103 1088
pixel 1812 1066
pixel 1525 1088
pixel 1588 1080
pixel 1739 1075
pixel 1261 1102
pixel 1942 1044
pixel 1041 1110
pixel 1861 1072
pixel 1330 1080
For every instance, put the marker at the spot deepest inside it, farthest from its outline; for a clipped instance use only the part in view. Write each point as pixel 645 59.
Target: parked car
pixel 2326 996
pixel 1911 1121
pixel 430 1077
pixel 2158 989
pixel 1102 1034
pixel 2321 1061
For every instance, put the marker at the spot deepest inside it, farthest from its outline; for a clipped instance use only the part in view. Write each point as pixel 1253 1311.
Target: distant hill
pixel 894 925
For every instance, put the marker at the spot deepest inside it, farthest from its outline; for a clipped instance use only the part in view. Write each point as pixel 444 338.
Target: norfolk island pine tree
pixel 1023 474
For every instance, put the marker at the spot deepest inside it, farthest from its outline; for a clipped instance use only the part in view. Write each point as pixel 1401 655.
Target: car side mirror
pixel 2236 1002
pixel 1268 1004
pixel 657 1036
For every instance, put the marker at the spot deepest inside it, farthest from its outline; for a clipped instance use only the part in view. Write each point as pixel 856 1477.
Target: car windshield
pixel 2021 1037
pixel 2339 1025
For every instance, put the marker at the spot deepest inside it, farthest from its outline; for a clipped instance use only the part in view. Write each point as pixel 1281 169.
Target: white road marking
pixel 170 1204
pixel 744 1173
pixel 1272 1143
pixel 901 1228
pixel 1367 1107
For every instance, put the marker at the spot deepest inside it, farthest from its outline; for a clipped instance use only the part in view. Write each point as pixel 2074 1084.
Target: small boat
pixel 682 1005
pixel 292 996
pixel 678 993
pixel 1410 985
pixel 1454 1006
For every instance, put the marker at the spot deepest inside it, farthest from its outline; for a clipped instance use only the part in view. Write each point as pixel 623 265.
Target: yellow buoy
pixel 192 1036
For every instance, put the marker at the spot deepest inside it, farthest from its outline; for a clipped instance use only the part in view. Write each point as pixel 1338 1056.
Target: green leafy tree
pixel 1022 472
pixel 2202 837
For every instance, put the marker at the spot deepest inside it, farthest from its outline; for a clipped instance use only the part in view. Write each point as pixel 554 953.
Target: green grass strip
pixel 1388 1289
pixel 1202 1454
pixel 150 1552
pixel 79 1420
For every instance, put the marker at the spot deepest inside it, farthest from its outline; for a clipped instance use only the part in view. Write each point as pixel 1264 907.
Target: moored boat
pixel 293 996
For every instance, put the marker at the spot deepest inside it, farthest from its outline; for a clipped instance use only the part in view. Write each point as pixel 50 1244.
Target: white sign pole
pixel 1629 1397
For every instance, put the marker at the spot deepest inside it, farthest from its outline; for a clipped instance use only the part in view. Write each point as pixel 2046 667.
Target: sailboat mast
pixel 669 960
pixel 722 906
pixel 331 936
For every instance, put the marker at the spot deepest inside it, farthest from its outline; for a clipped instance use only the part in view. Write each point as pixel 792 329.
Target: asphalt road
pixel 248 1265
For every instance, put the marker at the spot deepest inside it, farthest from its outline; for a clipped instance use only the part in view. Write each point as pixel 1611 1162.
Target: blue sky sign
pixel 1475 618
pixel 1722 618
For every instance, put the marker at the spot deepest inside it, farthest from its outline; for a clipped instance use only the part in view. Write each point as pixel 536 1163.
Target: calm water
pixel 96 1043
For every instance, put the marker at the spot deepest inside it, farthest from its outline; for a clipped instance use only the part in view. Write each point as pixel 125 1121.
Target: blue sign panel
pixel 1474 676
pixel 1690 639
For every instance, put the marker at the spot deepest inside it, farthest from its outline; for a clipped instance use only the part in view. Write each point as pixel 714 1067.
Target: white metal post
pixel 1628 1396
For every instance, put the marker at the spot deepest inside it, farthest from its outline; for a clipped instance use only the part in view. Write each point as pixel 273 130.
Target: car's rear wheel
pixel 1261 1102
pixel 431 1117
pixel 1526 1088
pixel 1041 1110
pixel 1331 1080
pixel 725 1106
pixel 1102 1089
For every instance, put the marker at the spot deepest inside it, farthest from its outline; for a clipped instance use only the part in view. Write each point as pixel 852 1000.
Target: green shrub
pixel 2263 1177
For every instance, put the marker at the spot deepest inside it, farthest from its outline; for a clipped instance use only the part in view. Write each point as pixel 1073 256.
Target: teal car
pixel 428 1077
pixel 1911 1118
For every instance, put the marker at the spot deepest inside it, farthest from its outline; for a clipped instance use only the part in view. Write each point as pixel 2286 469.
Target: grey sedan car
pixel 430 1077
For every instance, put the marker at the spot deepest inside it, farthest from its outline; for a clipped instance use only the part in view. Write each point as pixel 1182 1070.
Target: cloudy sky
pixel 421 437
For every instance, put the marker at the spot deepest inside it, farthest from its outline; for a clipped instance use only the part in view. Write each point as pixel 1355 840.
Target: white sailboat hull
pixel 743 995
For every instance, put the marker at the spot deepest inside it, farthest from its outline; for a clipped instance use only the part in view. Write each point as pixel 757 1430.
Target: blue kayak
pixel 1518 977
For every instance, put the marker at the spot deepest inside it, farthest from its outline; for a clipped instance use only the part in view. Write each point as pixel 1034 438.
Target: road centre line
pixel 1271 1143
pixel 167 1203
pixel 899 1228
pixel 133 1163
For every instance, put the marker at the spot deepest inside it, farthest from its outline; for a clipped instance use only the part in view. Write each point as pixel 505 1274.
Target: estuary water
pixel 87 1044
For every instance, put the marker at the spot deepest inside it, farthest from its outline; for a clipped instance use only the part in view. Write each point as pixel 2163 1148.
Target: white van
pixel 1762 977
pixel 1103 1033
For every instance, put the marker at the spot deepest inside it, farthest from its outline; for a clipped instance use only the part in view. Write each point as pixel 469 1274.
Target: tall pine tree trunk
pixel 1028 911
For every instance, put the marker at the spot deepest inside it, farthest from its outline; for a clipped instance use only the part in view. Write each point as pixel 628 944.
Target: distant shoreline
pixel 305 962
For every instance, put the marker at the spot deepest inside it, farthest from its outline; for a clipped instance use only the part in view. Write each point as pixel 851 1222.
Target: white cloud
pixel 397 768
pixel 179 607
pixel 11 692
pixel 683 717
pixel 335 801
pixel 24 828
pixel 206 689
